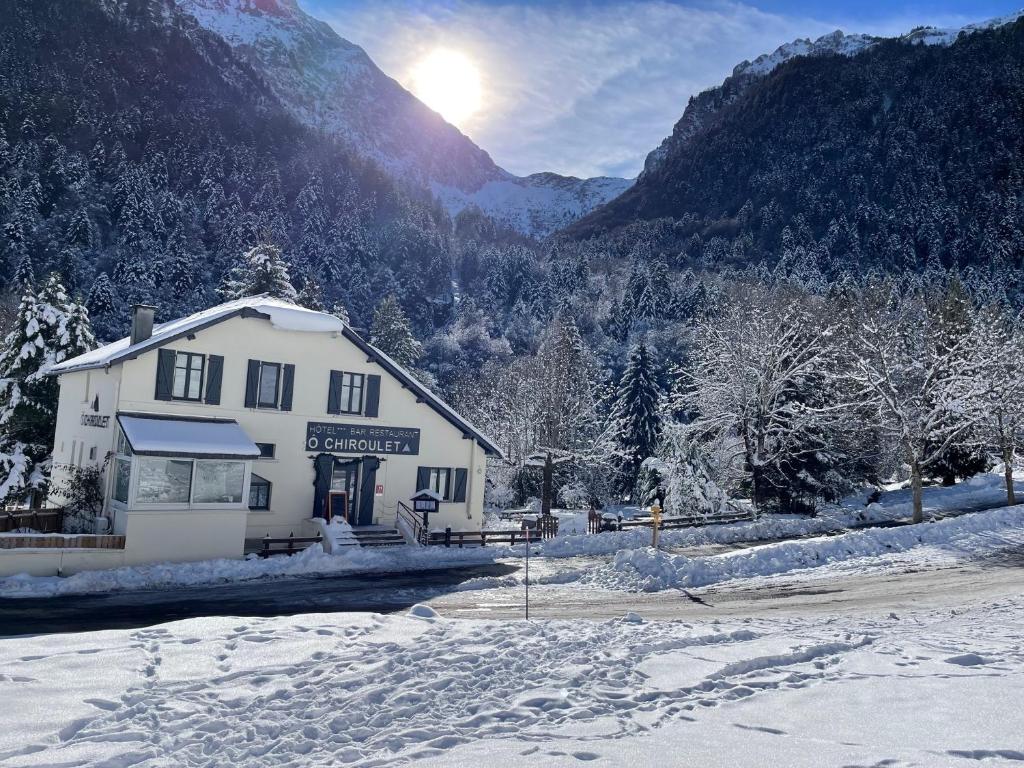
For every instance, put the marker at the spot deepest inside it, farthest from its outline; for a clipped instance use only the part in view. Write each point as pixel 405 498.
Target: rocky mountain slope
pixel 333 85
pixel 846 152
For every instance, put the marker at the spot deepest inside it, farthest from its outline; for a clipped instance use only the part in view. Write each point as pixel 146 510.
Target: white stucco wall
pixel 193 535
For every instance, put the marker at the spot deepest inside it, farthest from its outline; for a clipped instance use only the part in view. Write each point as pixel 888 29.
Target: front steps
pixel 378 536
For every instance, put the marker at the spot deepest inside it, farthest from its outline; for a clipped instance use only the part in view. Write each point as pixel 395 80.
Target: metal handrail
pixel 418 531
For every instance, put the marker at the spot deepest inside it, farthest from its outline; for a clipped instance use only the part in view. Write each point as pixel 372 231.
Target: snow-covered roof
pixel 282 314
pixel 430 493
pixel 286 316
pixel 153 435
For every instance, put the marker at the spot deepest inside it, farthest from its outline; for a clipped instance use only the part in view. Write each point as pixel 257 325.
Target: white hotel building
pixel 251 419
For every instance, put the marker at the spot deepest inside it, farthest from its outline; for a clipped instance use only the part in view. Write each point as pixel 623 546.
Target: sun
pixel 449 83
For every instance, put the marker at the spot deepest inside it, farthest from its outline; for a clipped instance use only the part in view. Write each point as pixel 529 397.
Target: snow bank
pixel 651 570
pixel 311 561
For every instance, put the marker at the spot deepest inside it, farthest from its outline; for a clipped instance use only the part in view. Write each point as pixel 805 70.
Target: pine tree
pixel 638 422
pixel 49 329
pixel 24 274
pixel 260 270
pixel 101 301
pixel 311 295
pixel 392 334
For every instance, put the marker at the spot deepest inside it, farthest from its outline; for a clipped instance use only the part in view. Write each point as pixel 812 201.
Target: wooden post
pixel 483 538
pixel 447 537
pixel 546 486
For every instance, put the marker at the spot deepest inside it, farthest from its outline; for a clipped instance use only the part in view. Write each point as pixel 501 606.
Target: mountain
pixel 140 157
pixel 835 43
pixel 848 152
pixel 332 85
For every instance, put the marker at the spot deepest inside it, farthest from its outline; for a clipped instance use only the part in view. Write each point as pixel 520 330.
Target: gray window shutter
pixel 252 383
pixel 287 386
pixel 214 374
pixel 422 478
pixel 334 393
pixel 459 494
pixel 372 395
pixel 164 374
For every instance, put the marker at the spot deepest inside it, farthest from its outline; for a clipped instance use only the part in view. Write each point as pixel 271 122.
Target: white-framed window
pixel 122 468
pixel 218 482
pixel 267 450
pixel 269 389
pixel 188 376
pixel 352 392
pixel 163 480
pixel 122 478
pixel 181 482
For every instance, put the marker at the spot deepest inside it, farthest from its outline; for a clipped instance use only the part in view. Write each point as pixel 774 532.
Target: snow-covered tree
pixel 391 333
pixel 49 329
pixel 761 365
pixel 998 351
pixel 636 414
pixel 919 381
pixel 261 269
pixel 312 295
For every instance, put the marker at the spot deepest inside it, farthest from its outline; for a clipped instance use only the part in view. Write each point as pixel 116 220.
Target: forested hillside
pixel 900 157
pixel 135 147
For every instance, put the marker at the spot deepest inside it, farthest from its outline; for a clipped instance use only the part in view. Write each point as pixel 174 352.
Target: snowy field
pixel 933 687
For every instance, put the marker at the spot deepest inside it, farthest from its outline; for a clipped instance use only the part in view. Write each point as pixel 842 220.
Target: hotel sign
pixel 361 438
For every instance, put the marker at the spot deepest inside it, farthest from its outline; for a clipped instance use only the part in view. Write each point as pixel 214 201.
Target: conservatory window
pixel 122 479
pixel 164 481
pixel 219 482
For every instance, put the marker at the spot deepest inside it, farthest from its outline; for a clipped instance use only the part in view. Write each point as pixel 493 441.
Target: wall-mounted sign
pixel 380 490
pixel 95 420
pixel 361 438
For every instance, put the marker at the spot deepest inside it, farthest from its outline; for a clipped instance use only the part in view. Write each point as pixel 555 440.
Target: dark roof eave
pixel 427 398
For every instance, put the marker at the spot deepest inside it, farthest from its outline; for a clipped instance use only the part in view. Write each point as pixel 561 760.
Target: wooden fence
pixel 595 521
pixel 545 528
pixel 49 520
pixel 80 541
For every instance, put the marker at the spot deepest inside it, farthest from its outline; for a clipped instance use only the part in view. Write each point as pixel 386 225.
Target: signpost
pixel 529 523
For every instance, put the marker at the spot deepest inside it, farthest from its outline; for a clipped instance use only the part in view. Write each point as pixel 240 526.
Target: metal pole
pixel 527 574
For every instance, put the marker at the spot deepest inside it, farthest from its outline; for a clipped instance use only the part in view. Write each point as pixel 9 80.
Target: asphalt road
pixel 374 592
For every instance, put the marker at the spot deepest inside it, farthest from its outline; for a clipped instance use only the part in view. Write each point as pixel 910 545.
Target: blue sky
pixel 589 88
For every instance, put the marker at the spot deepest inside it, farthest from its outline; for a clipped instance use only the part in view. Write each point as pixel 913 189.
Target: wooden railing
pixel 596 523
pixel 408 516
pixel 287 546
pixel 49 520
pixel 460 539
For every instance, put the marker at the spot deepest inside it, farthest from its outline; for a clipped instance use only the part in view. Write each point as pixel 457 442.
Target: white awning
pixel 198 438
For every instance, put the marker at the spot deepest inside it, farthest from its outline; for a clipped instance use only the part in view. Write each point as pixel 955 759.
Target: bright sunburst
pixel 449 83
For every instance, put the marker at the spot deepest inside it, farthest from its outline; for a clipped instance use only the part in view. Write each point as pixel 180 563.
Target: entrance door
pixel 346 478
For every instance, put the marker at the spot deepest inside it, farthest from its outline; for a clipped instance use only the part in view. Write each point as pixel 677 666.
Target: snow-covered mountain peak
pixel 333 85
pixel 833 43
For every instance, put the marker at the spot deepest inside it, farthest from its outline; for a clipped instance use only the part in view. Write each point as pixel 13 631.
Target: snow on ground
pixel 930 688
pixel 650 570
pixel 572 542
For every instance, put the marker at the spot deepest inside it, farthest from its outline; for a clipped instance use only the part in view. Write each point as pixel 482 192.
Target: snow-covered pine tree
pixel 49 329
pixel 312 295
pixel 392 333
pixel 261 269
pixel 24 274
pixel 636 415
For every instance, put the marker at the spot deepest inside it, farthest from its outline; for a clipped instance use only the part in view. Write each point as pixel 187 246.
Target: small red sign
pixel 380 490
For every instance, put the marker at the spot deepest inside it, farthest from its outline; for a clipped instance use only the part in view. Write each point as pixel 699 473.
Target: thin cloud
pixel 580 90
